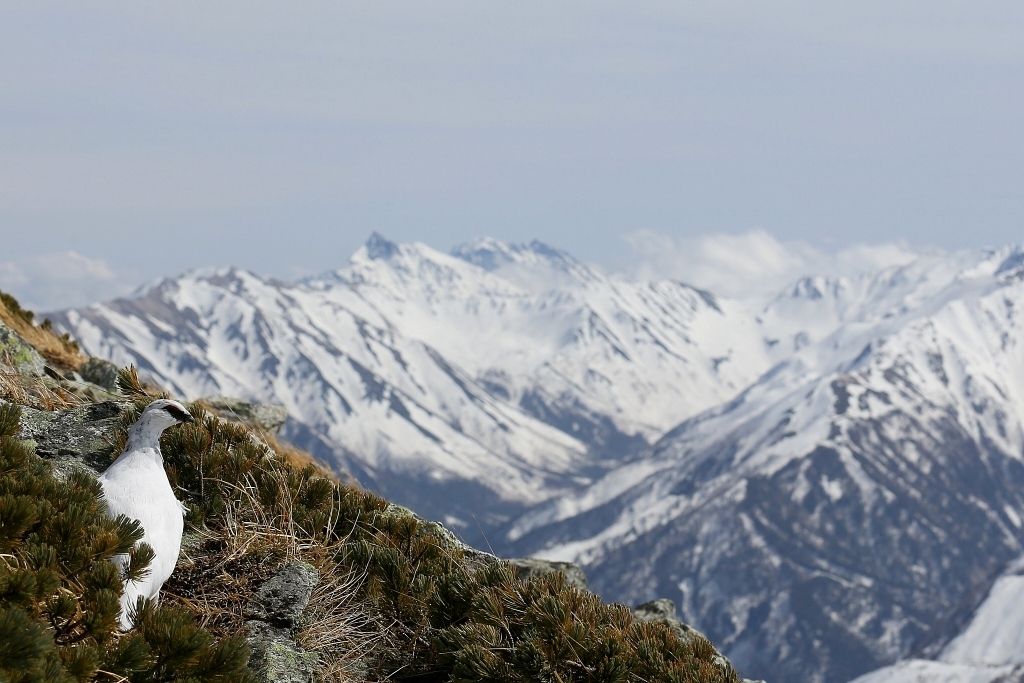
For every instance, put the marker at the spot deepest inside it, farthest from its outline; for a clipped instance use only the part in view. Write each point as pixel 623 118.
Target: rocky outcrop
pixel 274 617
pixel 473 558
pixel 18 354
pixel 74 439
pixel 262 415
pixel 25 369
pixel 100 372
pixel 281 599
pixel 663 611
pixel 530 566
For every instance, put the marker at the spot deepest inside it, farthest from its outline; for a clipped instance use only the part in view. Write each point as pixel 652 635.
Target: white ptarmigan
pixel 136 486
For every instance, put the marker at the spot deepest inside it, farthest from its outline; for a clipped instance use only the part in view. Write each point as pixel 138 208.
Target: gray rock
pixel 475 559
pixel 660 610
pixel 79 438
pixel 74 383
pixel 530 566
pixel 663 611
pixel 261 415
pixel 17 353
pixel 274 616
pixel 74 377
pixel 275 656
pixel 100 372
pixel 282 598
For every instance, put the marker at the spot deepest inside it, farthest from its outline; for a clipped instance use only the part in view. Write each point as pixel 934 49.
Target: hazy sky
pixel 142 139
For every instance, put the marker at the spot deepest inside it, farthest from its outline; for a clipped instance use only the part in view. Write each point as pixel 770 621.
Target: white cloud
pixel 63 279
pixel 753 265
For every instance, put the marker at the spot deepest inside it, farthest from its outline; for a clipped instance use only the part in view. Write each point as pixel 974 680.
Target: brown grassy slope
pixel 59 350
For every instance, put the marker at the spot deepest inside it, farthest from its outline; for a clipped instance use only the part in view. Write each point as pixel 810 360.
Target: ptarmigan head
pixel 158 416
pixel 167 412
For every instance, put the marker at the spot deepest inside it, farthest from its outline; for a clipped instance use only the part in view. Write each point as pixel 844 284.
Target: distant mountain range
pixel 981 643
pixel 824 485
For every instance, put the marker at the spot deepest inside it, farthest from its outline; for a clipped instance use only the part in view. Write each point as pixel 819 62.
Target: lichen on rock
pixel 100 372
pixel 262 415
pixel 531 566
pixel 275 656
pixel 275 614
pixel 282 598
pixel 18 354
pixel 74 438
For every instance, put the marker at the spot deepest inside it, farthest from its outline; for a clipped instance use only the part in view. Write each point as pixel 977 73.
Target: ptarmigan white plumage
pixel 136 486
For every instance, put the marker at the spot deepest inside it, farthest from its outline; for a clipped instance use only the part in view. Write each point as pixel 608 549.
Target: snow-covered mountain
pixel 823 485
pixel 466 386
pixel 821 523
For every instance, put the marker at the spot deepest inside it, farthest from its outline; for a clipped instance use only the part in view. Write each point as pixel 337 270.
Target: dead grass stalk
pixel 34 392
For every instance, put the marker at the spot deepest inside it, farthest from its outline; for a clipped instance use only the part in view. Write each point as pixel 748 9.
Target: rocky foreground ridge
pixel 323 581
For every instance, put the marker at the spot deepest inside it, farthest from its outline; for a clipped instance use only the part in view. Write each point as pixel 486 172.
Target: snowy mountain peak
pixel 1012 262
pixel 486 252
pixel 379 247
pixel 406 337
pixel 491 254
pixel 535 267
pixel 816 287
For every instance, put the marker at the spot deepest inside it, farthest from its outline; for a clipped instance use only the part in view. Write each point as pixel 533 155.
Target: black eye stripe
pixel 176 412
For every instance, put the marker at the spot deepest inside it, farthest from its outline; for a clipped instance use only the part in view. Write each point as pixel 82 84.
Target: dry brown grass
pixel 60 351
pixel 338 628
pixel 219 572
pixel 35 392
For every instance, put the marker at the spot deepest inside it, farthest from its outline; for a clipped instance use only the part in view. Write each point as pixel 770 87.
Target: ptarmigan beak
pixel 188 418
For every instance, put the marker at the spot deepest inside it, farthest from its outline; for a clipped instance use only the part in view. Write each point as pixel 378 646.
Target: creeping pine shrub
pixel 475 625
pixel 59 591
pixel 444 616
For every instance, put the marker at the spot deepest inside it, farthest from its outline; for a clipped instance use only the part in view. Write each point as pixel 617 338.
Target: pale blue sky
pixel 148 138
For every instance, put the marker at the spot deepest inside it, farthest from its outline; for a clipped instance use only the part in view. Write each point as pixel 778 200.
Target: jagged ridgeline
pixel 394 597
